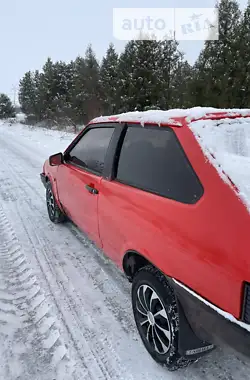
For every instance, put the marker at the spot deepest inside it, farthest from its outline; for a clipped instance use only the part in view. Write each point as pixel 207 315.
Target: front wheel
pixel 55 213
pixel 156 316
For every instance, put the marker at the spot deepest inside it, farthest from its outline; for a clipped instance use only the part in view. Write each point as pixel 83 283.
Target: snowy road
pixel 65 309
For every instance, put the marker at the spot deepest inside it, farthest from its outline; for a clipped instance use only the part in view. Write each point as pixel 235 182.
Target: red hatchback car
pixel 166 195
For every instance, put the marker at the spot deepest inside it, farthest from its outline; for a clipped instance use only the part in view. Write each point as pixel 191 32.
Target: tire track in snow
pixel 20 306
pixel 97 348
pixel 91 355
pixel 58 292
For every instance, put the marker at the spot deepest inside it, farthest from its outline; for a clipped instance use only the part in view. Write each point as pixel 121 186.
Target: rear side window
pixel 90 151
pixel 153 160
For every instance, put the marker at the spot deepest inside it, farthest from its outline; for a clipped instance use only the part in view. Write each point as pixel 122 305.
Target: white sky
pixel 33 30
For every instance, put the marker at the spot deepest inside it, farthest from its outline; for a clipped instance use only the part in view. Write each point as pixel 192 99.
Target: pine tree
pixel 148 73
pixel 86 94
pixel 170 59
pixel 54 88
pixel 243 61
pixel 6 107
pixel 108 80
pixel 45 88
pixel 215 81
pixel 39 109
pixel 126 67
pixel 27 94
pixel 181 81
pixel 62 84
pixel 69 71
pixel 78 92
pixel 139 77
pixel 92 102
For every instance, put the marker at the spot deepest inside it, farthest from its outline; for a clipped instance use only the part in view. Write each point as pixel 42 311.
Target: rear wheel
pixel 156 315
pixel 55 213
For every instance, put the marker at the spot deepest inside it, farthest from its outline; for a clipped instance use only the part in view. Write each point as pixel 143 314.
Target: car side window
pixel 153 160
pixel 90 151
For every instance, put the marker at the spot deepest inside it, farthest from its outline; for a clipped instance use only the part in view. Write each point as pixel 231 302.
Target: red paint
pixel 205 246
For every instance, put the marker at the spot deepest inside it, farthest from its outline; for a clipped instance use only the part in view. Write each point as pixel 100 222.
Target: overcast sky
pixel 33 30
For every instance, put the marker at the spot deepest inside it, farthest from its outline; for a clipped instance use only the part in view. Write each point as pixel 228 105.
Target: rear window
pixel 153 160
pixel 226 143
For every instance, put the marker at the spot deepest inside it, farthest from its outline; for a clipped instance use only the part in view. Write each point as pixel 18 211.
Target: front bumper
pixel 43 179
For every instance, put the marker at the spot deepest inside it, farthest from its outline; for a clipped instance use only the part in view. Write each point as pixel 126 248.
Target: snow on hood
pixel 226 144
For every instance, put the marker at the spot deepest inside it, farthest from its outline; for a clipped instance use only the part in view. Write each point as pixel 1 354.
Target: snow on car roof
pixel 173 116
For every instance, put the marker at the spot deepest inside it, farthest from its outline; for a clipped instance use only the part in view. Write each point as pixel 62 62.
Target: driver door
pixel 79 178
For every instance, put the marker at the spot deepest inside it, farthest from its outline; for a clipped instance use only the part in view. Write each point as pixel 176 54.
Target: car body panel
pixel 79 204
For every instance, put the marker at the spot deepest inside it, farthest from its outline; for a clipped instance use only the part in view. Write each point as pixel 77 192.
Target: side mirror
pixel 56 159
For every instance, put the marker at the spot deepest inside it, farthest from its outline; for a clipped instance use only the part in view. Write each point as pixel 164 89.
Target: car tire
pixel 156 316
pixel 55 214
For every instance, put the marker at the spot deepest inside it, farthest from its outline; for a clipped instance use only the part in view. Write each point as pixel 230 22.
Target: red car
pixel 165 194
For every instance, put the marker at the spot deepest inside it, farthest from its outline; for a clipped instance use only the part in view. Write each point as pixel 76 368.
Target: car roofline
pixel 221 115
pixel 173 122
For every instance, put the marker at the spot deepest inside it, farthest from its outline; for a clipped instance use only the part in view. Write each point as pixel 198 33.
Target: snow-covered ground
pixel 65 310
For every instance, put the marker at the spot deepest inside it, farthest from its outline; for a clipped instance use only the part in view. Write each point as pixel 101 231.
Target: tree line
pixel 146 75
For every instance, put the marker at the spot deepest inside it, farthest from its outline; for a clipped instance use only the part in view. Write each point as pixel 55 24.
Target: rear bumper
pixel 210 326
pixel 43 179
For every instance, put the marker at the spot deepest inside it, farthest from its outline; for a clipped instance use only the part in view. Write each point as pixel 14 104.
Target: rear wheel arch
pixel 133 261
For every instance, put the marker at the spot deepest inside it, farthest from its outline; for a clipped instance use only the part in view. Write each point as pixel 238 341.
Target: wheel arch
pixel 132 262
pixel 50 179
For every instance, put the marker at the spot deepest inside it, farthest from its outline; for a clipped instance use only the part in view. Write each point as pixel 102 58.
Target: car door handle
pixel 92 190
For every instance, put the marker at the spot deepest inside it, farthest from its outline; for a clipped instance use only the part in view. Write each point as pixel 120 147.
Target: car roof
pixel 173 117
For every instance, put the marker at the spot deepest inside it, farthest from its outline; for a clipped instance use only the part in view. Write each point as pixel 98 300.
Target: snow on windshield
pixel 226 144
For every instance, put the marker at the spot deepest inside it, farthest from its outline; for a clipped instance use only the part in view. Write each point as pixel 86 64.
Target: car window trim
pixel 113 152
pixel 76 141
pixel 158 194
pixel 86 130
pixel 82 168
pixel 117 159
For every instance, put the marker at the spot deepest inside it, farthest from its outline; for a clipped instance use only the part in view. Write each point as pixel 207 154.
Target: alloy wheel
pixel 153 319
pixel 50 202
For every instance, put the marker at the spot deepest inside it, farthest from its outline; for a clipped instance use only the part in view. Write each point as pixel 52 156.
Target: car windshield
pixel 226 143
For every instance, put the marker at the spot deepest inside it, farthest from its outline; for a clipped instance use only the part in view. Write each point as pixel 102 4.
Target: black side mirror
pixel 56 159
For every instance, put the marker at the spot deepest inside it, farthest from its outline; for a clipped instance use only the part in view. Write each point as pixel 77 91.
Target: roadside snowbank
pixel 45 141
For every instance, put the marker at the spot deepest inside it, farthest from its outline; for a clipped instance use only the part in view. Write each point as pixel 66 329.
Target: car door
pixel 140 208
pixel 79 178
